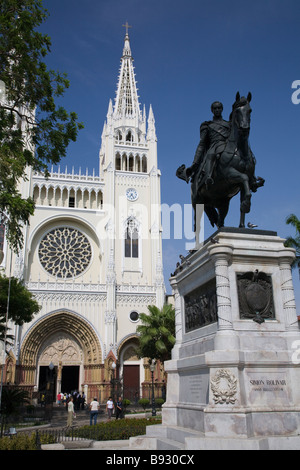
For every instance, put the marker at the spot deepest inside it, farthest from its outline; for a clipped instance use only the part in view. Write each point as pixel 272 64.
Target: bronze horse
pixel 234 171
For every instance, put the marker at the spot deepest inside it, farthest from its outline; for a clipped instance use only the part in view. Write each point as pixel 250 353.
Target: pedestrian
pixel 74 395
pixel 83 401
pixel 43 399
pixel 119 408
pixel 71 413
pixel 78 401
pixel 110 407
pixel 94 409
pixel 67 401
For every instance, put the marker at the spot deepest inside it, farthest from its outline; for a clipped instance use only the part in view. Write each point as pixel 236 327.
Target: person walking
pixel 119 408
pixel 43 399
pixel 110 407
pixel 94 409
pixel 71 413
pixel 83 397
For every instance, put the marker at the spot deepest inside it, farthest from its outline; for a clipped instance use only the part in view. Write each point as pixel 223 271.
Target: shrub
pixel 19 442
pixel 144 402
pixel 126 402
pixel 112 430
pixel 159 402
pixel 115 430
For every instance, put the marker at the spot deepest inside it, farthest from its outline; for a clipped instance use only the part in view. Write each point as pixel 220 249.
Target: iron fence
pixel 90 433
pixel 26 416
pixel 134 395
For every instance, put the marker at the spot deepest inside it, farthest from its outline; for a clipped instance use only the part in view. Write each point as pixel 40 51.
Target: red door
pixel 131 382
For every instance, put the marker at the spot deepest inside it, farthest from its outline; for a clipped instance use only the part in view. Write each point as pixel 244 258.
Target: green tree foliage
pixel 22 305
pixel 294 242
pixel 11 401
pixel 34 130
pixel 157 333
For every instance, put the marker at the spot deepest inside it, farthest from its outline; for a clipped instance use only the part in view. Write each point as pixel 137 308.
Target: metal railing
pixel 84 433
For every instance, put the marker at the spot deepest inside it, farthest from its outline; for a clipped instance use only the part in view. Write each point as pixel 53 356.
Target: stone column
pixel 221 255
pixel 110 313
pixel 178 320
pixel 287 289
pixel 59 376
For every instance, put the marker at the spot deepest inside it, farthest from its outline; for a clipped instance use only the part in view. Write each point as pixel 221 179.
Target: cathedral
pixel 92 257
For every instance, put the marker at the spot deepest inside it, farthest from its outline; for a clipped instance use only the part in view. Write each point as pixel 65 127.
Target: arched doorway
pixel 131 370
pixel 70 344
pixel 66 354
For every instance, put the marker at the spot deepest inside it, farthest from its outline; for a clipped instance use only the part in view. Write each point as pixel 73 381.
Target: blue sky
pixel 188 54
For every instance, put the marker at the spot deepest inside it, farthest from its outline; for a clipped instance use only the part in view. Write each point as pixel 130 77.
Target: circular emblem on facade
pixel 134 316
pixel 65 252
pixel 132 194
pixel 224 387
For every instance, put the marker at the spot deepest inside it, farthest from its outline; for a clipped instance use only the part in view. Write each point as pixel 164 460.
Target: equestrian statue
pixel 224 164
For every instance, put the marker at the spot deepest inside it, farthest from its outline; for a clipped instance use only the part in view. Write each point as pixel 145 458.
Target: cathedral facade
pixel 92 257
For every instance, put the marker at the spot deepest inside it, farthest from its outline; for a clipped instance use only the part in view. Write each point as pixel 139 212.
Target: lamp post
pixel 3 220
pixel 113 380
pixel 49 391
pixel 152 368
pixel 51 367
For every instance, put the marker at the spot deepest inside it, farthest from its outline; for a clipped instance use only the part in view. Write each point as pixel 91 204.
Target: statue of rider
pixel 213 138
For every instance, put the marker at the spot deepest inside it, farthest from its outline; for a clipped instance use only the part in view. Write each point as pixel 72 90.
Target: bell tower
pixel 132 201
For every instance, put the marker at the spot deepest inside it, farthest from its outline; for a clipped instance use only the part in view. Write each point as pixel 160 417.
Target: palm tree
pixel 294 242
pixel 12 400
pixel 157 333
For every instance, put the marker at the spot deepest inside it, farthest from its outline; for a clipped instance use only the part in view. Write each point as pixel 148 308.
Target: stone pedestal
pixel 233 381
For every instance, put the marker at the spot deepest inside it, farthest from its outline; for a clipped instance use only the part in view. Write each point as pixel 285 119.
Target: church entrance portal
pixel 70 379
pixel 47 381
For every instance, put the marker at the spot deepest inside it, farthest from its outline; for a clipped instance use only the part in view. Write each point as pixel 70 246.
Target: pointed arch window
pixel 131 163
pixel 144 164
pixel 118 136
pixel 129 136
pixel 118 162
pixel 131 239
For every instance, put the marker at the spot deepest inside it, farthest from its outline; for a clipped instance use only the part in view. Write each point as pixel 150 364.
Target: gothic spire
pixel 127 102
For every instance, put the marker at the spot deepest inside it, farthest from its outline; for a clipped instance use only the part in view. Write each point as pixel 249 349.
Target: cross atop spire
pixel 126 25
pixel 126 50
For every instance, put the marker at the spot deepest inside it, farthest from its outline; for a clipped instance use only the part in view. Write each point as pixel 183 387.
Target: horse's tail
pixel 212 214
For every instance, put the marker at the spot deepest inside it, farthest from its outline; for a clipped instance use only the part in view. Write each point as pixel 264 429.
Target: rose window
pixel 65 252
